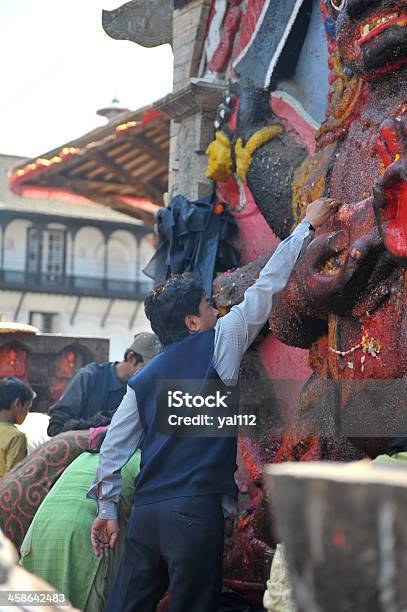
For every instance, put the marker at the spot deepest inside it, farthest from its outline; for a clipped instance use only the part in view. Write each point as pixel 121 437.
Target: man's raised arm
pixel 236 331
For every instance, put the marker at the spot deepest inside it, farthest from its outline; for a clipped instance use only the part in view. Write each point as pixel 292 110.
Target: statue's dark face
pixel 371 34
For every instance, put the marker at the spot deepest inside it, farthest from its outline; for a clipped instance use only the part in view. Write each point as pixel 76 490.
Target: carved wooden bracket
pixel 145 22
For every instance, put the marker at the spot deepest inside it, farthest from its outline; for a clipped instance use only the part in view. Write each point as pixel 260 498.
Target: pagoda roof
pixel 122 165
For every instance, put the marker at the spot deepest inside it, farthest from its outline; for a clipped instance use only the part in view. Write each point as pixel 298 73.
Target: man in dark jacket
pixel 94 393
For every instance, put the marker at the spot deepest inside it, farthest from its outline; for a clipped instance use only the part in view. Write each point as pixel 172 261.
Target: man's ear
pixel 16 404
pixel 131 357
pixel 192 323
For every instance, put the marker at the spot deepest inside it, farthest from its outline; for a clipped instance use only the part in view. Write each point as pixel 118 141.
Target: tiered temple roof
pixel 123 165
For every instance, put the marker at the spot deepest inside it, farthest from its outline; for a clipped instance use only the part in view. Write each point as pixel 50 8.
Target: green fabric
pixel 57 546
pixel 399 460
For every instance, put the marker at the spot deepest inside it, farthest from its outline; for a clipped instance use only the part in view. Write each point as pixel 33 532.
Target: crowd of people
pixel 160 496
pixel 56 544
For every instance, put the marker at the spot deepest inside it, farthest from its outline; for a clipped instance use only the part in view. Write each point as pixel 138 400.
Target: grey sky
pixel 58 67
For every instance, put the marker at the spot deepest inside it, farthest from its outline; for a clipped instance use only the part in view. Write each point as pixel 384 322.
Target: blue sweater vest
pixel 174 466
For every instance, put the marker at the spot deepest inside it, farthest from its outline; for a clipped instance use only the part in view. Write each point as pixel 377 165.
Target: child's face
pixel 21 410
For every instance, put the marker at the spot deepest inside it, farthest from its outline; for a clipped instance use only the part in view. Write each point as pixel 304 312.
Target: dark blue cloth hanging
pixel 192 238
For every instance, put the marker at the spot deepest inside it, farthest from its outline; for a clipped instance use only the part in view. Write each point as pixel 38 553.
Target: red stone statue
pixel 347 299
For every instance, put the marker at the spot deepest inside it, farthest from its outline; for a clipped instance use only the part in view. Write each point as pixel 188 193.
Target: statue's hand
pixel 391 141
pixel 390 193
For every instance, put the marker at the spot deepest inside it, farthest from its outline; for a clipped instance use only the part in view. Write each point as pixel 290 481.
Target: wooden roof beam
pixel 119 171
pixel 155 152
pixel 85 187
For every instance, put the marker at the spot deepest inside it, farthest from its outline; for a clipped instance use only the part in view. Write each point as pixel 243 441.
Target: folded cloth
pixel 194 237
pixel 96 437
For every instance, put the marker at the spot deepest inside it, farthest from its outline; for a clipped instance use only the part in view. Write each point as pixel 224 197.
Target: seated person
pixel 95 392
pixel 15 401
pixel 57 545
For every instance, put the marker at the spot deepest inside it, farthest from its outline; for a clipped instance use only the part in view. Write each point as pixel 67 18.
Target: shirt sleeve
pixel 235 332
pixel 16 451
pixel 70 404
pixel 122 440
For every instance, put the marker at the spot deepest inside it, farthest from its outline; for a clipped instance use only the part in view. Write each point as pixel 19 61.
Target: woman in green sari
pixel 57 545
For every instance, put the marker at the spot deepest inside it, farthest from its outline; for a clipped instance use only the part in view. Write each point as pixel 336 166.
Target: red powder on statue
pixel 394 215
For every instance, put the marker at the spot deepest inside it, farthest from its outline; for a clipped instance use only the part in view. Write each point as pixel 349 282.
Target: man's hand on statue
pixel 319 211
pixel 103 536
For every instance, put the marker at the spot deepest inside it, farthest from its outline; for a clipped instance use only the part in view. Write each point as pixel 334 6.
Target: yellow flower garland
pixel 244 154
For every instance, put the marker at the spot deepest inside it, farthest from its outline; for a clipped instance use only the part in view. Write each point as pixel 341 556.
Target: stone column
pixel 192 110
pixel 192 105
pixel 188 33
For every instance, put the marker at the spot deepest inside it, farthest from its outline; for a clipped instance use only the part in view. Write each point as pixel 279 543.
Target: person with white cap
pixel 96 390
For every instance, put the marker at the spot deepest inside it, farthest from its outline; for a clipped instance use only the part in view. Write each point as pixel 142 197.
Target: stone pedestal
pixel 344 530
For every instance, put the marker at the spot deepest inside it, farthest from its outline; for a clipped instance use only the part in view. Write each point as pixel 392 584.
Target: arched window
pixel 89 253
pixel 89 258
pixel 15 245
pixel 147 250
pixel 122 256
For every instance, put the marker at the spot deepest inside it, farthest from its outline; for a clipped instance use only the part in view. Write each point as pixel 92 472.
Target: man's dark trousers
pixel 177 543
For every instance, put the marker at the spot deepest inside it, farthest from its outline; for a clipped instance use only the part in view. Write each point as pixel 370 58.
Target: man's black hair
pixel 139 358
pixel 13 388
pixel 168 304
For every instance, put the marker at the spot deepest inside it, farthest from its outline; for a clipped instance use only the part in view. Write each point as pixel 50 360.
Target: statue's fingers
pixel 385 155
pixel 392 136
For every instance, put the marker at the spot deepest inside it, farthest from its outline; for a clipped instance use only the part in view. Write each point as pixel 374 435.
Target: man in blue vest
pixel 186 482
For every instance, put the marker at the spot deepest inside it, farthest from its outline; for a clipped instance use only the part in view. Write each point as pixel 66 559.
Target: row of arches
pixel 85 252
